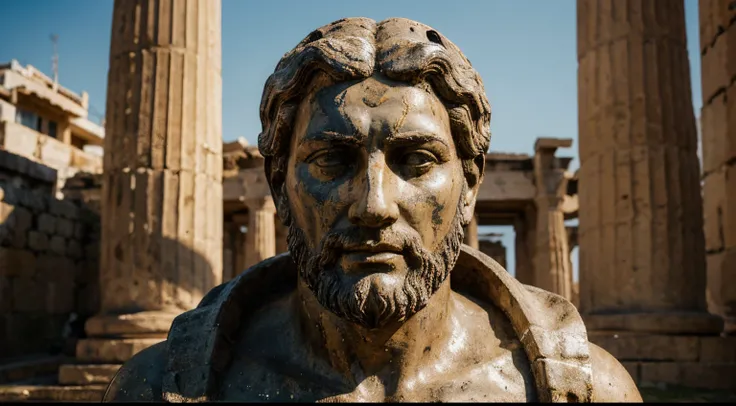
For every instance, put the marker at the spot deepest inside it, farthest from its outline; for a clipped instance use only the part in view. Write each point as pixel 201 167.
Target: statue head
pixel 374 138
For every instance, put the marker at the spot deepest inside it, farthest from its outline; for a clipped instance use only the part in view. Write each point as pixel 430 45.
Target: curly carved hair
pixel 355 48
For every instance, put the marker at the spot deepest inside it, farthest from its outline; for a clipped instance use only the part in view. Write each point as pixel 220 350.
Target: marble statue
pixel 374 138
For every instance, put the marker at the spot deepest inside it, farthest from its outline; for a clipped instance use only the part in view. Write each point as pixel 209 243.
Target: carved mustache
pixel 359 239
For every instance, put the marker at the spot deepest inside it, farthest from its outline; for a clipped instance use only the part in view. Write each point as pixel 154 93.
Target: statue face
pixel 376 190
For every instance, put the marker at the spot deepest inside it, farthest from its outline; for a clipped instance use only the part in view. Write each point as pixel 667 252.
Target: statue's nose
pixel 375 205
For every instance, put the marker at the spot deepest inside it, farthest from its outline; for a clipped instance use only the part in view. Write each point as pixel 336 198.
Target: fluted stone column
pixel 239 244
pixel 552 259
pixel 162 191
pixel 572 242
pixel 642 262
pixel 524 272
pixel 229 231
pixel 471 233
pixel 552 269
pixel 261 236
pixel 718 125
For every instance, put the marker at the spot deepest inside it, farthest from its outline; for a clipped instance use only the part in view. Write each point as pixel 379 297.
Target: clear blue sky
pixel 525 51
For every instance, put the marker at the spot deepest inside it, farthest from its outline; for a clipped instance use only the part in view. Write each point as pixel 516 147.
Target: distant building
pixel 47 123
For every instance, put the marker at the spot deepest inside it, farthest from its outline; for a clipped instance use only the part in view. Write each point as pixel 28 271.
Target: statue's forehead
pixel 370 93
pixel 361 107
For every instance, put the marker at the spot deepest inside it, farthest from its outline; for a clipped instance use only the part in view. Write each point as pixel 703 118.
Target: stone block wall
pixel 49 251
pixel 718 126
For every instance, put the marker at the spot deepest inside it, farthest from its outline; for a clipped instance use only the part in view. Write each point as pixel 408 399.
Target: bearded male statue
pixel 374 138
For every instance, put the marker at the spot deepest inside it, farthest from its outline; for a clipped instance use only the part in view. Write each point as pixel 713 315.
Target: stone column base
pixel 693 361
pixel 98 359
pixel 151 324
pixel 656 323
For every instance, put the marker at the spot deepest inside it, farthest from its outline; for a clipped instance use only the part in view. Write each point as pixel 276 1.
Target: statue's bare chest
pixel 503 379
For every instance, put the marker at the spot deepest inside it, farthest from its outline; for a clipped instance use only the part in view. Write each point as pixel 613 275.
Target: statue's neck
pixel 392 351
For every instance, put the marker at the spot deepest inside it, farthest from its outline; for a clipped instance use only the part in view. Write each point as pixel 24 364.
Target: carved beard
pixel 360 302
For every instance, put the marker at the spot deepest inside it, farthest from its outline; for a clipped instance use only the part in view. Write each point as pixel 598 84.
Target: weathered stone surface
pixel 719 64
pixel 716 123
pixel 155 324
pixel 34 201
pixel 47 223
pixel 641 216
pixel 28 295
pixel 38 241
pixel 714 196
pixel 6 296
pixel 260 239
pixel 7 223
pixel 29 368
pixel 55 268
pixel 689 374
pixel 715 17
pixel 64 209
pixel 57 245
pixel 552 266
pixel 715 350
pixel 78 230
pixel 60 296
pixel 626 346
pixel 87 374
pixel 88 299
pixel 112 351
pixel 87 393
pixel 656 323
pixel 16 161
pixel 65 227
pixel 162 238
pixel 73 249
pixel 721 291
pixel 22 220
pixel 15 262
pixel 718 67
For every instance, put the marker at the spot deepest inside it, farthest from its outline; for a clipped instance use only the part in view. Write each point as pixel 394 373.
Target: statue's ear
pixel 473 178
pixel 276 183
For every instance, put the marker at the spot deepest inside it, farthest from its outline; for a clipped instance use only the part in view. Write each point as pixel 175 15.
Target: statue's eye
pixel 330 159
pixel 419 159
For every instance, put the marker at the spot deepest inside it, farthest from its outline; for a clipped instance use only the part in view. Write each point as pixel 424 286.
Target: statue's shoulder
pixel 140 378
pixel 611 381
pixel 198 346
pixel 548 326
pixel 565 365
pixel 200 341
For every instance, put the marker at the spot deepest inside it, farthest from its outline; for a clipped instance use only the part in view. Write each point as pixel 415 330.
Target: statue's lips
pixel 372 253
pixel 371 257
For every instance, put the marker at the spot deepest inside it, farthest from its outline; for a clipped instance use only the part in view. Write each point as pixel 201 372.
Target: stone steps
pixel 30 367
pixel 51 393
pixel 87 374
pixel 53 379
